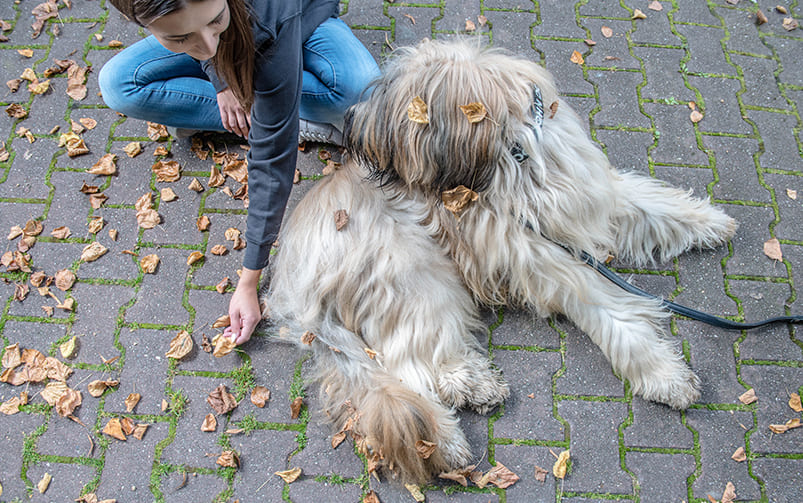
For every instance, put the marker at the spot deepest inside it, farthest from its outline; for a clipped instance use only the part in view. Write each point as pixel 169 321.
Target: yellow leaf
pixel 43 484
pixel 748 396
pixel 560 466
pixel 67 348
pixel 417 111
pixel 223 346
pixel 149 263
pixel 794 402
pixel 474 112
pixel 577 58
pixel 131 401
pixel 180 345
pixel 289 476
pixel 194 257
pixel 637 14
pixel 114 429
pixel 416 493
pixel 133 149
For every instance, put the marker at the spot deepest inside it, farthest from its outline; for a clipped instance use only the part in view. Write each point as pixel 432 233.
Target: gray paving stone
pixel 748 251
pixel 738 180
pixel 626 150
pixel 528 374
pixel 790 209
pixel 588 372
pixel 656 425
pixel 68 481
pixel 126 468
pixel 160 295
pixel 144 372
pixel 655 29
pixel 558 19
pixel 594 434
pixel 199 487
pixel 720 116
pixel 761 88
pixel 742 36
pixel 568 77
pixel 712 360
pixel 32 335
pixel 522 460
pixel 310 490
pixel 262 453
pixel 15 429
pixel 781 477
pixel 68 438
pixel 696 13
pixel 511 31
pixel 720 434
pixel 699 281
pixel 677 143
pixel 26 177
pixel 773 384
pixel 618 99
pixel 705 54
pixel 523 328
pixel 777 129
pixel 604 9
pixel 661 67
pixel 662 477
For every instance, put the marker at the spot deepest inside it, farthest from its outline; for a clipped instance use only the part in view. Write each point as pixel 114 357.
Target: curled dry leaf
pixel 157 132
pixel 114 429
pixel 215 178
pixel 415 492
pixel 11 356
pixel 474 112
pixel 237 169
pixel 41 13
pixel 331 167
pixel 561 465
pixel 500 476
pixel 370 352
pixel 194 257
pixel 88 123
pixel 196 186
pixel 656 6
pixel 459 475
pixel 794 402
pixel 222 322
pixel 232 234
pixel 133 149
pixel 55 369
pixel 167 194
pixel 75 144
pixel 341 219
pixel 425 449
pixel 221 400
pixel 139 432
pixel 289 476
pixel 13 85
pixel 458 199
pixel 148 218
pixel 577 58
pixel 76 89
pixel 11 406
pixel 371 497
pixel 61 232
pixel 131 401
pixel 68 347
pixel 229 459
pixel 180 345
pixel 637 14
pixel 772 249
pixel 32 228
pixel 540 474
pixel 65 279
pixel 223 345
pixel 97 387
pixel 43 484
pixel 222 285
pixel 67 305
pixel 209 424
pixel 53 391
pixel 148 263
pixel 95 225
pixel 790 24
pixel 37 278
pixel 160 150
pixel 470 26
pixel 105 166
pixel 93 251
pixel 748 396
pixel 739 455
pixel 68 402
pixel 97 200
pixel 260 396
pixel 417 111
pixel 729 495
pixel 166 171
pixel 89 189
pixel 695 116
pixel 202 223
pixel 295 407
pixel 15 232
pixel 307 338
pixel 783 428
pixel 219 250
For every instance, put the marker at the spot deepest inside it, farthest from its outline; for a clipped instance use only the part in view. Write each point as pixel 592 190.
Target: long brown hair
pixel 234 60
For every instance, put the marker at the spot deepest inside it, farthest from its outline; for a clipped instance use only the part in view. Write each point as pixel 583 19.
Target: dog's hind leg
pixel 653 219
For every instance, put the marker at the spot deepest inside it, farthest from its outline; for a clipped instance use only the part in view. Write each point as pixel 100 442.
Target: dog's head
pixel 447 145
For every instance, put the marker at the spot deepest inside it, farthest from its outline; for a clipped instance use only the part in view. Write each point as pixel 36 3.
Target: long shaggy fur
pixel 392 297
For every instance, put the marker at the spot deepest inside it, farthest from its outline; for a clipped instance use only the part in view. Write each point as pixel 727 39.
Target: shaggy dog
pixel 382 277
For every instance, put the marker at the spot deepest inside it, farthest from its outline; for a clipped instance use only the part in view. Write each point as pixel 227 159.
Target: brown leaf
pixel 260 396
pixel 194 257
pixel 114 429
pixel 11 356
pixel 105 166
pixel 53 391
pixel 89 189
pixel 295 407
pixel 761 18
pixel 65 279
pixel 32 228
pixel 772 249
pixel 157 132
pixel 695 116
pixel 139 432
pixel 458 199
pixel 371 497
pixel 148 218
pixel 656 6
pixel 131 401
pixel 331 167
pixel 425 449
pixel 221 400
pixel 68 402
pixel 37 278
pixel 474 112
pixel 196 186
pixel 16 111
pixel 215 178
pixel 637 14
pixel 338 439
pixel 794 402
pixel 297 177
pixel 11 406
pixel 577 58
pixel 748 396
pixel 205 344
pixel 95 225
pixel 67 305
pixel 341 219
pixel 739 455
pixel 219 250
pixel 180 345
pixel 97 387
pixel 37 87
pixel 783 428
pixel 15 232
pixel 20 291
pixel 41 13
pixel 13 85
pixel 167 194
pixel 417 111
pixel 133 149
pixel 500 476
pixel 93 251
pixel 148 263
pixel 56 369
pixel 97 200
pixel 222 285
pixel 560 466
pixel 88 123
pixel 43 484
pixel 470 26
pixel 307 338
pixel 26 53
pixel 166 171
pixel 289 476
pixel 222 322
pixel 540 474
pixel 370 352
pixel 61 232
pixel 223 345
pixel 238 170
pixel 209 424
pixel 76 89
pixel 790 24
pixel 458 475
pixel 730 493
pixel 74 143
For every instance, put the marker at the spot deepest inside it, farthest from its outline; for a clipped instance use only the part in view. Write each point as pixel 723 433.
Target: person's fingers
pixel 234 325
pixel 248 327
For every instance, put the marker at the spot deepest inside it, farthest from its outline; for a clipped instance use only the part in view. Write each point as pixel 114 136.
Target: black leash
pixel 683 310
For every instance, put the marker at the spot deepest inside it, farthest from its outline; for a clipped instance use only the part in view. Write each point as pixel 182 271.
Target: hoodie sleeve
pixel 273 139
pixel 216 81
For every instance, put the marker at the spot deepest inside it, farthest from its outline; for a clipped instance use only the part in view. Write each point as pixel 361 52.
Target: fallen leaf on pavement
pixel 560 466
pixel 772 249
pixel 93 251
pixel 149 263
pixel 114 429
pixel 210 423
pixel 131 401
pixel 180 345
pixel 105 166
pixel 748 396
pixel 295 407
pixel 289 476
pixel 221 400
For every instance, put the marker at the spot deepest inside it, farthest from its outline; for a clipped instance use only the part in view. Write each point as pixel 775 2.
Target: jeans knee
pixel 111 87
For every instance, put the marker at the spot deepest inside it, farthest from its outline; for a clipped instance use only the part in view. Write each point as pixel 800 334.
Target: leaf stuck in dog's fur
pixel 341 219
pixel 417 111
pixel 772 249
pixel 553 109
pixel 425 449
pixel 457 199
pixel 474 112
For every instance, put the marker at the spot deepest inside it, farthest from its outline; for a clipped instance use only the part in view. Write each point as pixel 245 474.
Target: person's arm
pixel 271 165
pixel 235 119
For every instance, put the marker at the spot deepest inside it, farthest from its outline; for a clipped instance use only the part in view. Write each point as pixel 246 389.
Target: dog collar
pixel 537 113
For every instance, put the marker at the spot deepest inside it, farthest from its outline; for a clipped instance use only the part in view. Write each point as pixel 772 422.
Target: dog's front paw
pixel 678 390
pixel 473 384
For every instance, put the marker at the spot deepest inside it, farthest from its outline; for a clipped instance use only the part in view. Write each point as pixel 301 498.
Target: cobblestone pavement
pixel 637 83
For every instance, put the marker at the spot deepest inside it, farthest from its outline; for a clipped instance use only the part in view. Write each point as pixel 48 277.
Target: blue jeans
pixel 146 81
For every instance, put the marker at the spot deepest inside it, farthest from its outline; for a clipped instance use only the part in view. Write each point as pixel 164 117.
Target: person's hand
pixel 235 119
pixel 244 309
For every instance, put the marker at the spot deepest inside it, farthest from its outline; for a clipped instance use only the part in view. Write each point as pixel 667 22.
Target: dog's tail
pixel 411 436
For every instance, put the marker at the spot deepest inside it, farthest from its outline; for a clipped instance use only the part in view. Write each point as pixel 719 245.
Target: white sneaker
pixel 319 132
pixel 180 133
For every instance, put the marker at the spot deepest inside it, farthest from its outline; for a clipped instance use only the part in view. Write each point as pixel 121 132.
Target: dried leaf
pixel 138 433
pixel 474 112
pixel 215 178
pixel 114 429
pixel 202 223
pixel 223 346
pixel 229 459
pixel 219 250
pixel 540 474
pixel 331 167
pixel 37 87
pixel 295 407
pixel 790 24
pixel 695 116
pixel 68 402
pixel 341 219
pixel 11 356
pixel 16 111
pixel 89 189
pixel 417 111
pixel 43 484
pixel 133 149
pixel 794 402
pixel 167 194
pixel 209 424
pixel 456 200
pixel 370 352
pixel 11 406
pixel 53 391
pixel 739 455
pixel 157 132
pixel 148 263
pixel 95 225
pixel 425 449
pixel 41 13
pixel 222 285
pixel 783 428
pixel 289 476
pixel 14 85
pixel 20 291
pixel 577 58
pixel 656 6
pixel 68 347
pixel 772 249
pixel 76 89
pixel 61 232
pixel 730 493
pixel 222 322
pixel 67 305
pixel 307 338
pixel 260 396
pixel 415 492
pixel 148 218
pixel 238 170
pixel 194 257
pixel 180 345
pixel 501 476
pixel 371 497
pixel 88 123
pixel 97 387
pixel 65 279
pixel 460 475
pixel 93 251
pixel 37 278
pixel 560 466
pixel 166 171
pixel 97 200
pixel 221 400
pixel 14 232
pixel 55 369
pixel 32 228
pixel 196 186
pixel 637 14
pixel 26 53
pixel 131 401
